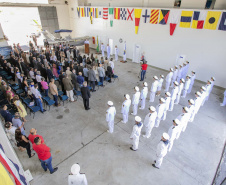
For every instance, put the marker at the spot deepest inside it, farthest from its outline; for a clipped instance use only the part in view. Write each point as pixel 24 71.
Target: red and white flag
pixel 105 13
pixel 174 19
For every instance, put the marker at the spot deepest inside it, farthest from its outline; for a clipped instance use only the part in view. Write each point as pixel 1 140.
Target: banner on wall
pixel 163 17
pixel 154 16
pixel 185 20
pixel 222 25
pixel 198 19
pixel 212 20
pixel 137 19
pixel 130 14
pixel 146 16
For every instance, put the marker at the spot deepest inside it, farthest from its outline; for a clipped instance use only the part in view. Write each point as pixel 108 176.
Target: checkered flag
pixel 123 14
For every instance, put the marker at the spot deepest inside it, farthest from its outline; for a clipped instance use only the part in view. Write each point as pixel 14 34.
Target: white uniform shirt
pixel 181 86
pixel 179 73
pixel 108 49
pixel 38 78
pixel 136 98
pixel 187 84
pixel 225 93
pixel 160 109
pixel 79 179
pixel 183 118
pixel 169 77
pixel 198 102
pixel 37 93
pixel 154 86
pixel 174 92
pixel 149 119
pixel 175 74
pixel 116 51
pixel 102 47
pixel 161 149
pixel 144 93
pixel 136 131
pixel 160 81
pixel 125 106
pixel 173 132
pixel 167 103
pixel 192 79
pixel 110 116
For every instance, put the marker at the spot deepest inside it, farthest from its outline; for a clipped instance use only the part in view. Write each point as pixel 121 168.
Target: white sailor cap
pixel 110 103
pixel 186 109
pixel 155 77
pixel 213 78
pixel 182 80
pixel 152 108
pixel 198 93
pixel 193 72
pixel 176 121
pixel 168 94
pixel 176 83
pixel 127 96
pixel 162 100
pixel 189 76
pixel 75 169
pixel 180 65
pixel 138 119
pixel 184 64
pixel 171 69
pixel 191 101
pixel 203 88
pixel 165 136
pixel 162 76
pixel 136 88
pixel 145 84
pixel 176 66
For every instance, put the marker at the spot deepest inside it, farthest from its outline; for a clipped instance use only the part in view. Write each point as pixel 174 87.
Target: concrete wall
pixel 195 4
pixel 220 4
pixel 204 48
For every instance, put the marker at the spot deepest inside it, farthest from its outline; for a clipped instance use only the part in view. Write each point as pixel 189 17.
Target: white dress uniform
pixel 186 87
pixel 166 107
pixel 168 80
pixel 183 118
pixel 161 152
pixel 208 89
pixel 108 51
pixel 135 102
pixel 179 74
pixel 153 90
pixel 135 135
pixel 110 116
pixel 173 132
pixel 149 123
pixel 125 110
pixel 160 110
pixel 174 78
pixel 203 97
pixel 102 49
pixel 197 105
pixel 191 112
pixel 79 179
pixel 173 97
pixel 143 96
pixel 160 81
pixel 224 101
pixel 192 83
pixel 180 88
pixel 116 54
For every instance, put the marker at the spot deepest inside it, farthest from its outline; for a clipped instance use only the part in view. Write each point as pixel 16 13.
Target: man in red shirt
pixel 143 71
pixel 44 155
pixel 33 134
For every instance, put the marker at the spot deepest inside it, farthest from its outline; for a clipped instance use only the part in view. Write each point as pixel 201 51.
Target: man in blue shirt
pixel 6 114
pixel 80 79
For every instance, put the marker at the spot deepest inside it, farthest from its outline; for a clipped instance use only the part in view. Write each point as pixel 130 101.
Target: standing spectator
pixel 92 78
pixel 18 123
pixel 20 107
pixel 74 79
pixel 49 73
pixel 33 134
pixel 23 142
pixel 68 73
pixel 85 72
pixel 101 72
pixel 54 91
pixel 68 86
pixel 38 98
pixel 85 95
pixel 144 67
pixel 80 79
pixel 6 114
pixel 45 86
pixel 76 178
pixel 44 155
pixel 10 131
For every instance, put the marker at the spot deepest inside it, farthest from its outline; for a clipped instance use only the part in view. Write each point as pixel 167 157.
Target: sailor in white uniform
pixel 198 102
pixel 192 81
pixel 135 135
pixel 179 73
pixel 160 110
pixel 110 116
pixel 186 86
pixel 149 121
pixel 173 132
pixel 167 103
pixel 168 79
pixel 224 100
pixel 173 95
pixel 76 178
pixel 108 51
pixel 143 95
pixel 161 150
pixel 180 88
pixel 116 53
pixel 208 90
pixel 203 96
pixel 102 49
pixel 153 89
pixel 191 107
pixel 183 118
pixel 161 79
pixel 174 78
pixel 183 73
pixel 125 108
pixel 135 100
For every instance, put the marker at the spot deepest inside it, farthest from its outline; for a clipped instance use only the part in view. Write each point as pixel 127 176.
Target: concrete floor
pixel 78 136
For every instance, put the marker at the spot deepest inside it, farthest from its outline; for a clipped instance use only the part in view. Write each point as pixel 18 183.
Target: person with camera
pixel 143 69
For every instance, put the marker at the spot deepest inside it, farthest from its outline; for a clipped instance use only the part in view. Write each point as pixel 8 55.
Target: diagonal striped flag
pixel 154 16
pixel 105 13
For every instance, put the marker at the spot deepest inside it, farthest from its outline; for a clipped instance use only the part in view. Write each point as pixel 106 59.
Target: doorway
pixel 137 53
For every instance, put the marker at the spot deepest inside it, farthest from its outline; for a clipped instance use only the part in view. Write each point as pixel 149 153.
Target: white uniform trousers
pixel 135 109
pixel 135 143
pixel 170 145
pixel 184 126
pixel 171 105
pixel 167 86
pixel 224 101
pixel 148 131
pixel 111 126
pixel 157 121
pixel 142 103
pixel 177 99
pixel 125 117
pixel 103 53
pixel 116 57
pixel 184 93
pixel 108 55
pixel 164 115
pixel 152 96
pixel 158 162
pixel 70 95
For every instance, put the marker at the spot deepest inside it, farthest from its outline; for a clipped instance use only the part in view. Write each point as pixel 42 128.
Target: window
pixel 177 3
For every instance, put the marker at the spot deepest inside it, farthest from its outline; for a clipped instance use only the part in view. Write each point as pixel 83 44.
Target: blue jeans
pixel 47 164
pixel 101 79
pixel 142 74
pixel 46 92
pixel 55 97
pixel 39 103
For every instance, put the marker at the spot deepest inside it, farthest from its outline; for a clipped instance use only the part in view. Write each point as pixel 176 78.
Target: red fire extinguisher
pixel 93 40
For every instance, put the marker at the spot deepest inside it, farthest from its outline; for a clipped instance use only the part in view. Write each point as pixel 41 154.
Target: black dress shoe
pixel 54 170
pixel 155 166
pixel 43 111
pixel 87 108
pixel 132 149
pixel 154 161
pixel 94 90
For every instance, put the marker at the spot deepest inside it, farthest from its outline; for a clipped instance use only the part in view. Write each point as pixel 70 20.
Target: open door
pixel 111 46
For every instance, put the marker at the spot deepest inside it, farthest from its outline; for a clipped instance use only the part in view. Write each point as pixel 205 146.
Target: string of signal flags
pixel 186 19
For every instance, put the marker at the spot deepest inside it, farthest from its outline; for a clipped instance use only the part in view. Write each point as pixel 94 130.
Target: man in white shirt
pixel 110 116
pixel 135 101
pixel 153 89
pixel 38 98
pixel 135 135
pixel 143 95
pixel 198 102
pixel 149 121
pixel 161 79
pixel 125 108
pixel 167 103
pixel 76 178
pixel 108 51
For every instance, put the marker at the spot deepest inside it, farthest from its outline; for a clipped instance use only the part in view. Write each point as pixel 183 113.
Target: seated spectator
pixel 20 107
pixel 33 134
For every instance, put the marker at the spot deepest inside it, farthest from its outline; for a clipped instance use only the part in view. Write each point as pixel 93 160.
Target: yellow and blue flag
pixel 185 20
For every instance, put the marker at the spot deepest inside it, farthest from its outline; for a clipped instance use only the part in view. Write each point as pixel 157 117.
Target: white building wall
pixel 220 4
pixel 196 4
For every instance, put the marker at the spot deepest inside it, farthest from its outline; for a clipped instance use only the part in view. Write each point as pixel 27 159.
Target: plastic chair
pixel 63 98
